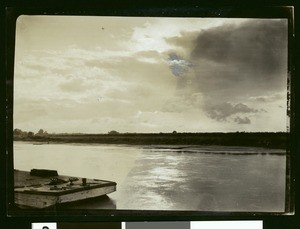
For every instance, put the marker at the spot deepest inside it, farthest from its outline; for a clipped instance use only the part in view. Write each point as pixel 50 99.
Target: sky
pixel 84 74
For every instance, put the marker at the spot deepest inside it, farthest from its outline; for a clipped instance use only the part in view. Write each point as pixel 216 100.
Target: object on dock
pixel 43 173
pixel 40 190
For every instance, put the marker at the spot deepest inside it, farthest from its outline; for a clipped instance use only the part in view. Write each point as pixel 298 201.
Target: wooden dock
pixel 45 188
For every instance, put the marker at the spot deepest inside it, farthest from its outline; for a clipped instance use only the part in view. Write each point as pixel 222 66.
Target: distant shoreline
pixel 266 140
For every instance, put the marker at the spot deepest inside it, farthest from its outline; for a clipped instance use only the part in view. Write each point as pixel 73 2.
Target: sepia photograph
pixel 151 113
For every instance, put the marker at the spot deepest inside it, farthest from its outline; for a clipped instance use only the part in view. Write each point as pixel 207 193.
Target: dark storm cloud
pixel 257 45
pixel 237 58
pixel 234 62
pixel 222 111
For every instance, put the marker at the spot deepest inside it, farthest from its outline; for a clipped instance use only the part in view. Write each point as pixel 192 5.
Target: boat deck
pixel 24 182
pixel 58 188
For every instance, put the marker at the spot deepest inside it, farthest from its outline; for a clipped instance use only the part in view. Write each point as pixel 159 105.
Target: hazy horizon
pixel 172 132
pixel 84 74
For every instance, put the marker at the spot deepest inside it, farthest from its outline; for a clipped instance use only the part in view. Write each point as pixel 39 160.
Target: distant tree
pixel 113 132
pixel 30 134
pixel 40 132
pixel 174 132
pixel 18 132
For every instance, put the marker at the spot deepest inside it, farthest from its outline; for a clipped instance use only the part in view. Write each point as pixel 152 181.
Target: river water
pixel 202 178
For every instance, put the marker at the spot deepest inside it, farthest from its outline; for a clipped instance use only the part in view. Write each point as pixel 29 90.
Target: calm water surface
pixel 205 178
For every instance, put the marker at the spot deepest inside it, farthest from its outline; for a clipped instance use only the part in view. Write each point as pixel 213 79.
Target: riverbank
pixel 267 140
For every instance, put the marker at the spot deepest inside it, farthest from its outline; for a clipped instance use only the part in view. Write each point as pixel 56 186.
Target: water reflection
pixel 205 178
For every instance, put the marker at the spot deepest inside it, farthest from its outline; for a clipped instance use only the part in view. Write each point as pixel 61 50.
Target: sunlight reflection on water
pixel 205 178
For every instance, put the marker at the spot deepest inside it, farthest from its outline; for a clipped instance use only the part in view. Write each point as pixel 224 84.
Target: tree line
pixel 20 134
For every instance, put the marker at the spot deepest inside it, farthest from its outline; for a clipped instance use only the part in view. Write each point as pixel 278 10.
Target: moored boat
pixel 41 188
